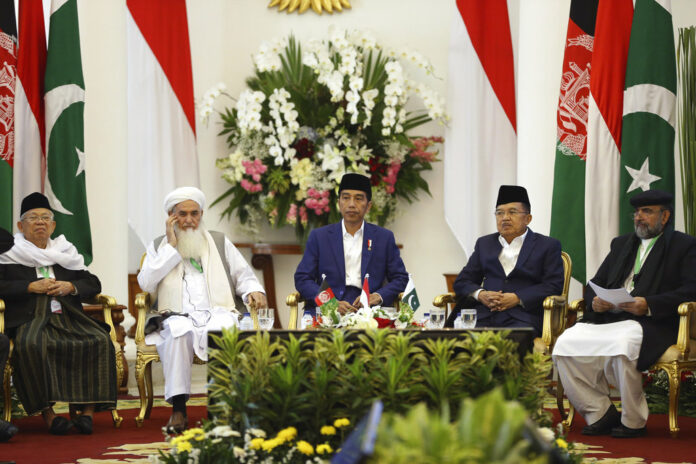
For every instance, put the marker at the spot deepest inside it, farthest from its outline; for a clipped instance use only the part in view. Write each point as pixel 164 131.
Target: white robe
pixel 182 336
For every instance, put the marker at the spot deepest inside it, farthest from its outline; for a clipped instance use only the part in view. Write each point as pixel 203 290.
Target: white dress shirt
pixel 352 254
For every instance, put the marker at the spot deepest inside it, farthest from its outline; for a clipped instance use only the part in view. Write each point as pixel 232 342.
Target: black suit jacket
pixel 677 285
pixel 20 304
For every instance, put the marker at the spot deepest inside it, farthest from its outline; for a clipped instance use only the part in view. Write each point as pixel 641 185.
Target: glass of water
pixel 468 318
pixel 266 318
pixel 437 318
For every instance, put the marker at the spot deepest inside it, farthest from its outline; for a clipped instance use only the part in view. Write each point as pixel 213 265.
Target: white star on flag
pixel 641 178
pixel 81 157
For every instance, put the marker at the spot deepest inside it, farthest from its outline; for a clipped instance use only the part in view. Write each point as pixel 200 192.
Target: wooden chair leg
pixel 674 374
pixel 566 417
pixel 150 389
pixel 116 418
pixel 140 367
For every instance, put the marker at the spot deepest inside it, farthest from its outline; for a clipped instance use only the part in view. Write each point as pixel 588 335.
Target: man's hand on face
pixel 601 306
pixel 639 306
pixel 41 286
pixel 60 288
pixel 257 300
pixel 171 236
pixel 344 308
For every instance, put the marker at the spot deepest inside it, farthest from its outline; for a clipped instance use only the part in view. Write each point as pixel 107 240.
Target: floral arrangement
pixel 221 443
pixel 312 113
pixel 367 318
pixel 656 386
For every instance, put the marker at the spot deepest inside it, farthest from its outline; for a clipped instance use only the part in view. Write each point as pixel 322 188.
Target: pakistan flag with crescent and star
pixel 65 103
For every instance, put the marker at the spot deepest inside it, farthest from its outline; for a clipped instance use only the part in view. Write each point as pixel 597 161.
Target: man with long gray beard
pixel 613 344
pixel 193 276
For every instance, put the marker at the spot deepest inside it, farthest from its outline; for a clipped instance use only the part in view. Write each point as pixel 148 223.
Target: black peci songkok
pixel 512 194
pixel 353 181
pixel 33 201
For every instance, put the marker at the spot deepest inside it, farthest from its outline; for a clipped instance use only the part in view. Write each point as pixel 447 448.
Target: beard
pixel 644 231
pixel 191 243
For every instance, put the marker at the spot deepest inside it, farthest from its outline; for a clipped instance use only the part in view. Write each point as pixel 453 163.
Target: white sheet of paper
pixel 612 295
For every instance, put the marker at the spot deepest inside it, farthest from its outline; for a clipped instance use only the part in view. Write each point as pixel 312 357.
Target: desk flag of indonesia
pixel 326 301
pixel 365 294
pixel 410 296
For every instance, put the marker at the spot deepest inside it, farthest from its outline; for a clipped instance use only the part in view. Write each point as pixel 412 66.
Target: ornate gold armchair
pixel 554 322
pixel 146 354
pixel 107 302
pixel 676 359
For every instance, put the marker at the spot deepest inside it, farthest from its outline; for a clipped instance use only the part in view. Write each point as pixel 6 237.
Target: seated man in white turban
pixel 193 275
pixel 60 353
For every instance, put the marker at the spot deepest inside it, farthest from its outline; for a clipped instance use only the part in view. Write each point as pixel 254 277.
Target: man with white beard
pixel 193 276
pixel 612 344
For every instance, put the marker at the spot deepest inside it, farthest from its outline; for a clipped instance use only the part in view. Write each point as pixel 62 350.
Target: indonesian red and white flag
pixel 365 293
pixel 481 140
pixel 161 115
pixel 603 165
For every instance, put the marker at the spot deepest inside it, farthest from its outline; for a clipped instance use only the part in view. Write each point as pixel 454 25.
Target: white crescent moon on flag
pixel 58 100
pixel 408 301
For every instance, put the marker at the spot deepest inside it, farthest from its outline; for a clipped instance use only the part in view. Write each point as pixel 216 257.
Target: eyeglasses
pixel 45 218
pixel 512 212
pixel 646 212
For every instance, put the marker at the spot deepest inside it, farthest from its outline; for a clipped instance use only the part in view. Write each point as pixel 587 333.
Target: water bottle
pixel 426 320
pixel 306 321
pixel 458 321
pixel 246 323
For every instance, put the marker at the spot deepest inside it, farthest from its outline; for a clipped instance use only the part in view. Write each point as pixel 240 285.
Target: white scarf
pixel 169 290
pixel 58 251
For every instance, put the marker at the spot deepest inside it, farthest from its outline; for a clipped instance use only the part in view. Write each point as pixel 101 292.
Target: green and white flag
pixel 410 296
pixel 65 102
pixel 647 147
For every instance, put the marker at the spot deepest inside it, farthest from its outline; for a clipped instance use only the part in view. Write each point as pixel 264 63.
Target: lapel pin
pixel 369 244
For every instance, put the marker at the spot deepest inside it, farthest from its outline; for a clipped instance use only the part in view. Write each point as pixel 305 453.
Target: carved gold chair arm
pixel 686 311
pixel 108 302
pixel 142 305
pixel 554 322
pixel 293 301
pixel 441 301
pixel 2 315
pixel 577 305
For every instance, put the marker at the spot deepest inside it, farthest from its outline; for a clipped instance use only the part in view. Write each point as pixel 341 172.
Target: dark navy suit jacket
pixel 537 274
pixel 324 255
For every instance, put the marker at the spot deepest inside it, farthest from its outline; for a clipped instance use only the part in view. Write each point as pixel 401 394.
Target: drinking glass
pixel 437 318
pixel 266 318
pixel 468 318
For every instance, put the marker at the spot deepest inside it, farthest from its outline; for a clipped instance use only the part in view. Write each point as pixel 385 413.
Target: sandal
pixel 60 425
pixel 84 424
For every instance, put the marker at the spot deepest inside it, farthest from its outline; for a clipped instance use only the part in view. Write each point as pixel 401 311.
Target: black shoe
pixel 604 426
pixel 621 431
pixel 60 425
pixel 84 424
pixel 7 430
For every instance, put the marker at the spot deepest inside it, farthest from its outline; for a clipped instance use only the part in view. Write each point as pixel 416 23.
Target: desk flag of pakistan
pixel 65 103
pixel 410 296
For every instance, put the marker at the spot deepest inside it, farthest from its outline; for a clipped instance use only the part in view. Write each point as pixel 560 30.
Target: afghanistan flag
pixel 8 73
pixel 65 104
pixel 568 204
pixel 647 141
pixel 326 302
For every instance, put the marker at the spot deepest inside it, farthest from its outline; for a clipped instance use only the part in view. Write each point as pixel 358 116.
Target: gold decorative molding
pixel 319 6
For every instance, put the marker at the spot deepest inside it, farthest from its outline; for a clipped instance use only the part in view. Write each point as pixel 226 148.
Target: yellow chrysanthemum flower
pixel 561 443
pixel 287 434
pixel 256 443
pixel 325 448
pixel 184 446
pixel 342 422
pixel 305 448
pixel 328 430
pixel 268 445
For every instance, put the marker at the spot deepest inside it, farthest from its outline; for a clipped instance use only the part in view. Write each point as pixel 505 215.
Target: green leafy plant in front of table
pixel 305 382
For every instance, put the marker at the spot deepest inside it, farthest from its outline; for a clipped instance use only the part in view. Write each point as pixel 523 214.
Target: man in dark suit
pixel 7 430
pixel 345 252
pixel 60 353
pixel 612 344
pixel 510 272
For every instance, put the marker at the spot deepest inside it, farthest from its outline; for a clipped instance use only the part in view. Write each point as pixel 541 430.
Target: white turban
pixel 182 194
